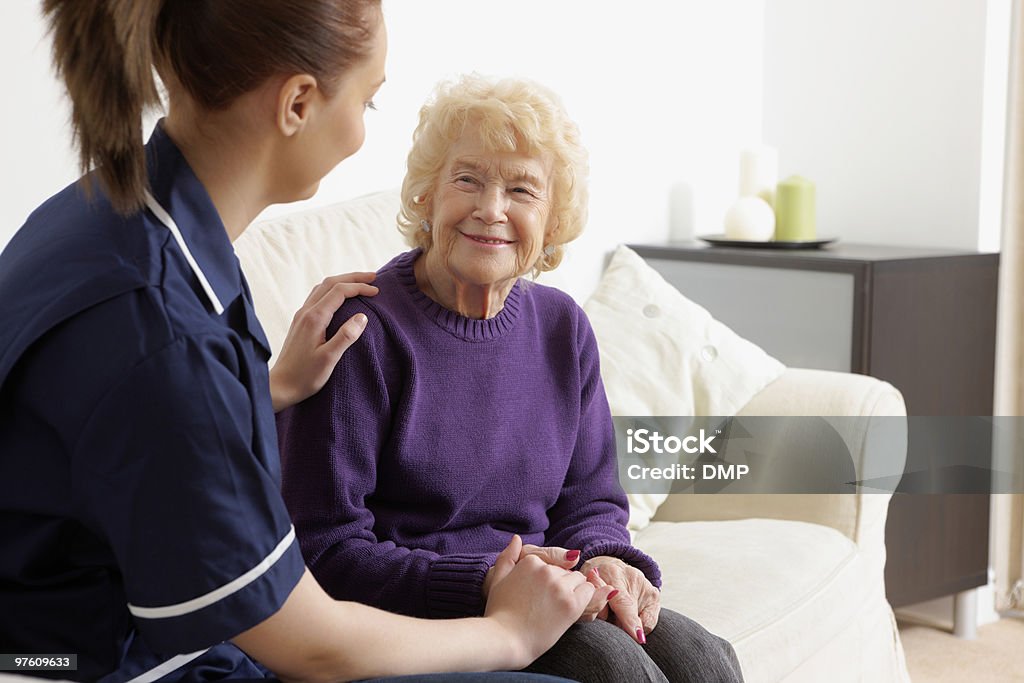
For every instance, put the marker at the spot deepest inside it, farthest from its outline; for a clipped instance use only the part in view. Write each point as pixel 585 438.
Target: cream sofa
pixel 795 582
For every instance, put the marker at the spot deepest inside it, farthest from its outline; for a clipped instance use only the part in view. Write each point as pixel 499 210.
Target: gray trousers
pixel 679 650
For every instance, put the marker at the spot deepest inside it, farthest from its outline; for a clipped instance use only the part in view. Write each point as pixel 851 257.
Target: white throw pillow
pixel 662 354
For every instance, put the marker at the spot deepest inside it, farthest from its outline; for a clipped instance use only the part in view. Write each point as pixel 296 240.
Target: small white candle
pixel 750 218
pixel 759 172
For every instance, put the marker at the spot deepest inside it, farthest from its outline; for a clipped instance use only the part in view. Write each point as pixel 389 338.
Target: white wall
pixel 34 138
pixel 896 109
pixel 663 92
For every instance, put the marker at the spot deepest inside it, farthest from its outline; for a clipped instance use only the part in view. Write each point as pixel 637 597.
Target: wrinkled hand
pixel 534 601
pixel 636 606
pixel 598 608
pixel 307 358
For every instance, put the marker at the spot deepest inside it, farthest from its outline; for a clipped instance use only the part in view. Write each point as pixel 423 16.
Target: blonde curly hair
pixel 510 115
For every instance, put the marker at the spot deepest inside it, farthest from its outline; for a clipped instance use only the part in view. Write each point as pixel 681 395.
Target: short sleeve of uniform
pixel 169 472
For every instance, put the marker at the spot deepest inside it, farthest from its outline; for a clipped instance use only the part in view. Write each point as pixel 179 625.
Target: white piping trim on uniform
pixel 213 596
pixel 169 223
pixel 161 670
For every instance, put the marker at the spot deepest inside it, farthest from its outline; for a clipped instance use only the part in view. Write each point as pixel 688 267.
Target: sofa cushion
pixel 662 354
pixel 283 258
pixel 777 590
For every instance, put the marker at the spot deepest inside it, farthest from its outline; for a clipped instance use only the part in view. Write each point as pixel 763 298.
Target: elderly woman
pixel 472 407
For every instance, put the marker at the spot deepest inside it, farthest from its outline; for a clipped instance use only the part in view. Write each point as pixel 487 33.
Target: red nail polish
pixel 640 637
pixel 572 555
pixel 613 594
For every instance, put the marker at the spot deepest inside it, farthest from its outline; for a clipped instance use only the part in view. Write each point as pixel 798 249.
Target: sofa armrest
pixel 823 392
pixel 876 442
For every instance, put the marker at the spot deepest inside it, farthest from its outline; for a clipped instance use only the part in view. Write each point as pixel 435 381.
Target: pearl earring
pixel 549 250
pixel 425 226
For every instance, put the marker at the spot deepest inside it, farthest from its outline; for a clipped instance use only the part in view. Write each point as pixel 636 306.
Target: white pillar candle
pixel 759 172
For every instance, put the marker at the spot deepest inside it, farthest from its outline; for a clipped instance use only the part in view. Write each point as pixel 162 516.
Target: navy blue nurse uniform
pixel 141 524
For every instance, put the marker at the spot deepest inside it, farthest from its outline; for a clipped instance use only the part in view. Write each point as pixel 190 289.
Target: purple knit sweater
pixel 439 436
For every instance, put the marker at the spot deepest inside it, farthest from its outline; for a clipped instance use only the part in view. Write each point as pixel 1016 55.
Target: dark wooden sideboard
pixel 922 319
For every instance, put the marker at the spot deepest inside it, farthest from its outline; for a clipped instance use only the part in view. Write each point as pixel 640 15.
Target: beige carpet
pixel 935 656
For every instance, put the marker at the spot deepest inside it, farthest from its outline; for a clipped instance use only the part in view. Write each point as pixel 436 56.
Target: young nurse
pixel 140 516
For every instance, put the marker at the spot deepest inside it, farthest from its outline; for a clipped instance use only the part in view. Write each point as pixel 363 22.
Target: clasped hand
pixel 622 594
pixel 636 604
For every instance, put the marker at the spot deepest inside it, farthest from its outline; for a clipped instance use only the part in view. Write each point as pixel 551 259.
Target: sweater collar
pixel 470 329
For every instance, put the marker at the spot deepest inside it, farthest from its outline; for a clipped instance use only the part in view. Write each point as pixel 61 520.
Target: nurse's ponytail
pixel 211 51
pixel 103 49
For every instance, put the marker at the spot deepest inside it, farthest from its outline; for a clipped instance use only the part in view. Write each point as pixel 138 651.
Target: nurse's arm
pixel 315 638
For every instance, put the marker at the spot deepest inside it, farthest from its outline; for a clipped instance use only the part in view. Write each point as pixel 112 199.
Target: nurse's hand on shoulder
pixel 307 358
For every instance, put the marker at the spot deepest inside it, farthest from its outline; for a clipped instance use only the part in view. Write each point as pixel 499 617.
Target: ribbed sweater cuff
pixel 455 585
pixel 629 555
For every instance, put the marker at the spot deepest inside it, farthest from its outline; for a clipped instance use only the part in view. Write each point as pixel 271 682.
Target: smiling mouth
pixel 492 241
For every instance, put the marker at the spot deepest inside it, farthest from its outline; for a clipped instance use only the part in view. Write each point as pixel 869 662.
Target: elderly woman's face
pixel 491 212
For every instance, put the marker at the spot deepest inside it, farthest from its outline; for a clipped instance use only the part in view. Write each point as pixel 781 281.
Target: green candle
pixel 795 210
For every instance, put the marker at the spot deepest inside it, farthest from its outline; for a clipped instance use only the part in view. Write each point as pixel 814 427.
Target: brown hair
pixel 216 50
